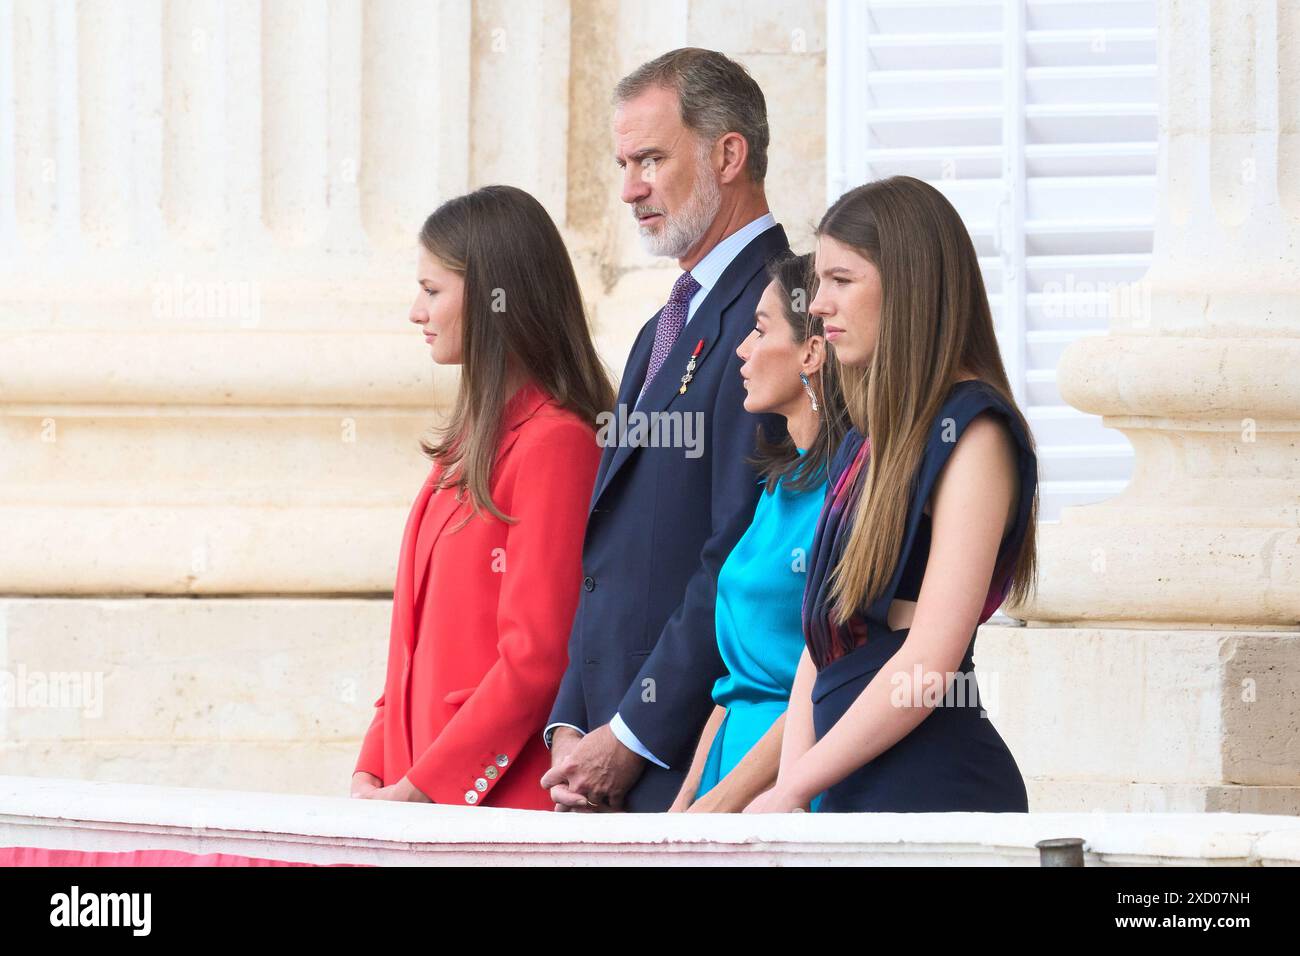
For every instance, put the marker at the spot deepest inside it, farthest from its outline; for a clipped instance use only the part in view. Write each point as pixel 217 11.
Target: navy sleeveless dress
pixel 954 760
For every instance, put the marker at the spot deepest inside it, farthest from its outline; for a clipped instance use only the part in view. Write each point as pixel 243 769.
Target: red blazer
pixel 481 619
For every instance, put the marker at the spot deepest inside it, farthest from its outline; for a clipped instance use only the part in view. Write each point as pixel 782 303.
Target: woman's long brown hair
pixel 522 312
pixel 935 325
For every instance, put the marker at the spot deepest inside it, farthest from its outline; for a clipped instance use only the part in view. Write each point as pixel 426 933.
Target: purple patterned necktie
pixel 672 319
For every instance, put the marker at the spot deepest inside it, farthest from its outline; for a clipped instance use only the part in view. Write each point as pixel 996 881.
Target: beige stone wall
pixel 210 397
pixel 267 694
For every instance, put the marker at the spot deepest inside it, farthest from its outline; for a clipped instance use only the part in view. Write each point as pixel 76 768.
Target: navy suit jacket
pixel 661 524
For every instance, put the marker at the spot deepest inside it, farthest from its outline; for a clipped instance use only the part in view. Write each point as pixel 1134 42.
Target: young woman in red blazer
pixel 490 565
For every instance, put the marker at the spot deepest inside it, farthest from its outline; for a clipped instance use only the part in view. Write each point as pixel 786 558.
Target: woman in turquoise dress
pixel 761 584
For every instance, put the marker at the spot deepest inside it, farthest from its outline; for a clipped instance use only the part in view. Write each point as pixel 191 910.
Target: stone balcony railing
pixel 110 817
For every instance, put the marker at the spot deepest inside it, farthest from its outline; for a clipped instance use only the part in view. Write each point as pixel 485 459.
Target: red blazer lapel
pixel 404 589
pixel 438 511
pixel 522 406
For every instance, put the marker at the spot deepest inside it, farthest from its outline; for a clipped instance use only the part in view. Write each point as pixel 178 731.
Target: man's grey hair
pixel 716 95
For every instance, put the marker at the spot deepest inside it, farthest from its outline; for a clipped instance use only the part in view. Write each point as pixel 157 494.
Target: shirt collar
pixel 709 270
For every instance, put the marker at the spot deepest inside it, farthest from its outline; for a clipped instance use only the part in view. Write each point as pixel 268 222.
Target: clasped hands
pixel 591 773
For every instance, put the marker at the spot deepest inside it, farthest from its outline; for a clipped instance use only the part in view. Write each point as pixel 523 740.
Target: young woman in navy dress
pixel 928 523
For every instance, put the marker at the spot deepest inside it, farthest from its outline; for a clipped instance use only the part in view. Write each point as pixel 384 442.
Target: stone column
pixel 208 381
pixel 1164 641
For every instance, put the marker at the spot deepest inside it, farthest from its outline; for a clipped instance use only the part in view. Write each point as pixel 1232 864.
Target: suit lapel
pixel 408 567
pixel 707 325
pixel 638 363
pixel 437 509
pixel 662 391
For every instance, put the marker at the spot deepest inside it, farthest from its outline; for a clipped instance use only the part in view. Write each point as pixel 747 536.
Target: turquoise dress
pixel 759 623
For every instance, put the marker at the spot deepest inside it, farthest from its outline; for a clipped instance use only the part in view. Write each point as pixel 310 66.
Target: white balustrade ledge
pixel 113 817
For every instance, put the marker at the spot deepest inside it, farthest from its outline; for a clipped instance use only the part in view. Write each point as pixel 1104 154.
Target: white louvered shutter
pixel 1037 119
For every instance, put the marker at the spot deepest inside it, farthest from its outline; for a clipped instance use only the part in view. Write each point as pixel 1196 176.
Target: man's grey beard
pixel 682 231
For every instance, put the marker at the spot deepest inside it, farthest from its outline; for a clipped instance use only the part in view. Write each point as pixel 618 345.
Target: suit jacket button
pixel 589 583
pixel 480 784
pixel 502 760
pixel 490 772
pixel 471 796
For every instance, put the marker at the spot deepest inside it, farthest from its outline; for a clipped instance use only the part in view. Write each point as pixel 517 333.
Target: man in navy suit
pixel 691 136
